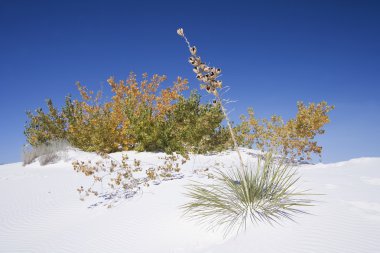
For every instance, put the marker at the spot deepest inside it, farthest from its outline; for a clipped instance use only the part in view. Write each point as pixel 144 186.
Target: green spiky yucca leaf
pixel 263 193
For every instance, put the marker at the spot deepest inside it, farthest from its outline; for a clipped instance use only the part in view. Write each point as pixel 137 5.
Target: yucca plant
pixel 263 193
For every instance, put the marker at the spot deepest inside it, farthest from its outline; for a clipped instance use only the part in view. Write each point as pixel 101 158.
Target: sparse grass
pixel 263 193
pixel 48 158
pixel 46 153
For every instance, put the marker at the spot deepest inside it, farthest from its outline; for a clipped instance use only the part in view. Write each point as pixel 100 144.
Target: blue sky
pixel 273 54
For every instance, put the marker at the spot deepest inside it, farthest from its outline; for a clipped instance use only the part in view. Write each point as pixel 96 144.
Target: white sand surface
pixel 40 211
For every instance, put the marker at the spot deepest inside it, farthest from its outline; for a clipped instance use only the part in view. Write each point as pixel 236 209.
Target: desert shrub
pixel 141 107
pixel 294 138
pixel 138 117
pixel 43 127
pixel 46 152
pixel 266 192
pixel 193 127
pixel 91 126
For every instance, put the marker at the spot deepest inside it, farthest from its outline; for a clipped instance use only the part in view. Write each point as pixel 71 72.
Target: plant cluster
pixel 113 180
pixel 294 138
pixel 140 116
pixel 171 167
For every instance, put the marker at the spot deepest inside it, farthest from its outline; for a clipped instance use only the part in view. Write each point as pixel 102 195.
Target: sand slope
pixel 40 212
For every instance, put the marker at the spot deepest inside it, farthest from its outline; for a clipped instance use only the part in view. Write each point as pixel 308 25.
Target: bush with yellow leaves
pixel 140 116
pixel 293 139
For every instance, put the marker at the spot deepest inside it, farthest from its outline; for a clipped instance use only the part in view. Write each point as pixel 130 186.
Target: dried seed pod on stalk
pixel 208 75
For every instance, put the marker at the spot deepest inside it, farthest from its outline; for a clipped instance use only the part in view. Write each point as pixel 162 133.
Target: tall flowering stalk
pixel 208 76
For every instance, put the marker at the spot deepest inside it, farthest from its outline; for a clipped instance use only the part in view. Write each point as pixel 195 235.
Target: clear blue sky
pixel 273 53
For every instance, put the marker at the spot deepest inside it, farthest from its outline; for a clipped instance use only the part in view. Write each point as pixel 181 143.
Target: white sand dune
pixel 40 212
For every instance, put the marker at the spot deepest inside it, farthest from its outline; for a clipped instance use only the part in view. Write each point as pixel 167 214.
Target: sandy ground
pixel 40 211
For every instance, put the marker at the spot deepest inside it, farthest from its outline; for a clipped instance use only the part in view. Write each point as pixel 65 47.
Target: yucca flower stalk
pixel 208 76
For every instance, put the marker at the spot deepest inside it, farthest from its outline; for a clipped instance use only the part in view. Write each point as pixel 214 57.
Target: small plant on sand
pixel 262 193
pixel 171 167
pixel 119 177
pixel 114 180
